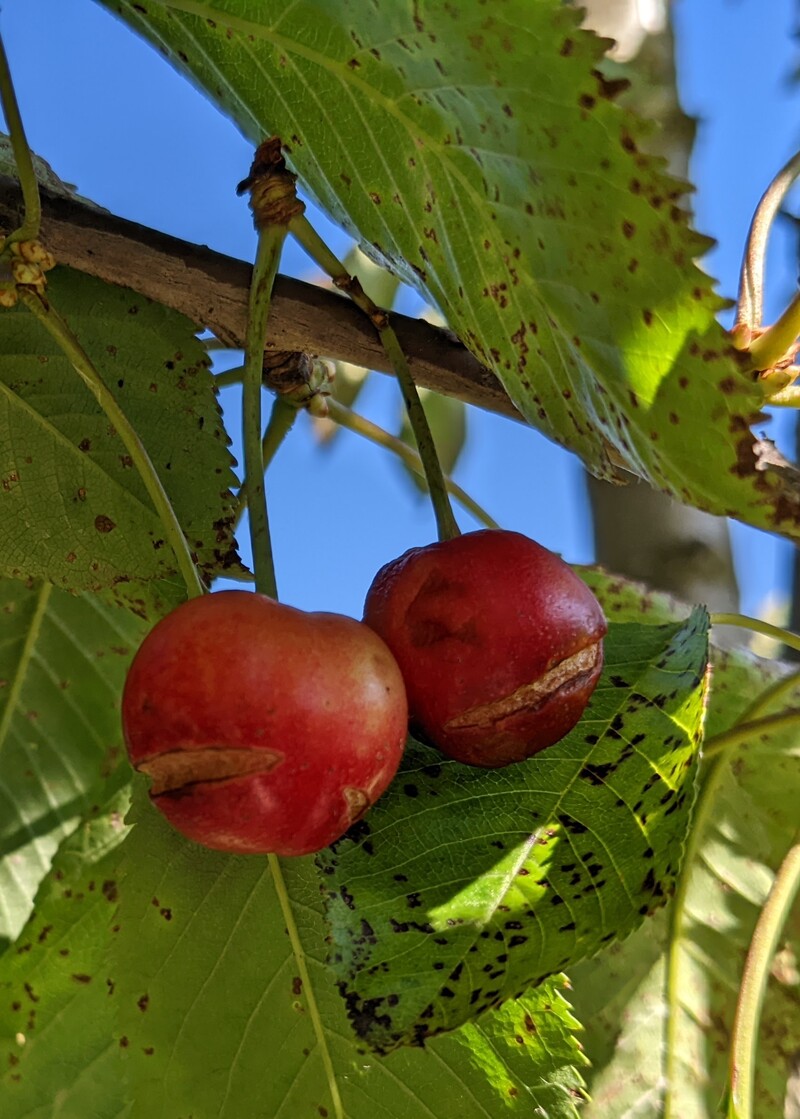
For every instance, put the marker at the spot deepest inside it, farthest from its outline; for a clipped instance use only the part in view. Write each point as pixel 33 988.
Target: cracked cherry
pixel 499 642
pixel 263 729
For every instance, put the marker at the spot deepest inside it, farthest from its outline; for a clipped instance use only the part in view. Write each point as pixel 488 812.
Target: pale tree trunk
pixel 639 532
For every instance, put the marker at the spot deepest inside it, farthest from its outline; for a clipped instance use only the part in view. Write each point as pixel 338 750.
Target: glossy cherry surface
pixel 263 728
pixel 499 642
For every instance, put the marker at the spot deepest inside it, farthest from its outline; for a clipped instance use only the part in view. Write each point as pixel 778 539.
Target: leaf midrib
pixel 351 80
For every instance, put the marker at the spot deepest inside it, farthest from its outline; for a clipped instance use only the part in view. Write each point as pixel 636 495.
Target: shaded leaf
pixel 216 1017
pixel 527 211
pixel 58 1052
pixel 63 660
pixel 622 996
pixel 464 886
pixel 73 508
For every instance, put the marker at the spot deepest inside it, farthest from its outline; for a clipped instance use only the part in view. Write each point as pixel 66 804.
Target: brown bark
pixel 638 532
pixel 212 290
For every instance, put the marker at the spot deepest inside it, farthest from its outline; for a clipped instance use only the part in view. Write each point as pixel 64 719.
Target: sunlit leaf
pixel 463 886
pixel 622 996
pixel 481 155
pixel 217 1020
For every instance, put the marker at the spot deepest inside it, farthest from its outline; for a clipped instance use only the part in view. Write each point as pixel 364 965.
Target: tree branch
pixel 212 290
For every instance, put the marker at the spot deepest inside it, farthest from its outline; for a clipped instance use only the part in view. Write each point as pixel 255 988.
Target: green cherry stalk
pixel 308 237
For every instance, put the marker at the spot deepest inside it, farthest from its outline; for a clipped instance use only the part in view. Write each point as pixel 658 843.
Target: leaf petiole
pixel 270 244
pixel 272 199
pixel 777 342
pixel 744 731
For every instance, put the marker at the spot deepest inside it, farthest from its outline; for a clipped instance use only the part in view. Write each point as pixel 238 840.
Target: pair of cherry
pixel 267 729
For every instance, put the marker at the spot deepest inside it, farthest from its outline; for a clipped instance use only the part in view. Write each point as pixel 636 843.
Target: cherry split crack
pixel 266 729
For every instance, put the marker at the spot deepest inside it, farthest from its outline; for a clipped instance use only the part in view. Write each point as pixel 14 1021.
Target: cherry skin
pixel 499 642
pixel 263 728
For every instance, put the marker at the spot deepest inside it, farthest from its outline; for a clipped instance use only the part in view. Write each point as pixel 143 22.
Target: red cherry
pixel 499 642
pixel 263 728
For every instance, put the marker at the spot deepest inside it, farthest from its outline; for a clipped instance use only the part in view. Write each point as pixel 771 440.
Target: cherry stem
pixel 82 363
pixel 29 230
pixel 757 626
pixel 281 422
pixel 345 417
pixel 750 308
pixel 268 255
pixel 305 233
pixel 744 1040
pixel 273 200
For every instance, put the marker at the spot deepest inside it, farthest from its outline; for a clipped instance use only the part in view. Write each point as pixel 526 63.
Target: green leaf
pixel 623 996
pixel 464 886
pixel 526 211
pixel 58 1053
pixel 538 1026
pixel 73 509
pixel 63 660
pixel 216 1020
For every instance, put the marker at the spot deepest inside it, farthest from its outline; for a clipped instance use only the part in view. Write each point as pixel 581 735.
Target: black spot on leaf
pixel 571 824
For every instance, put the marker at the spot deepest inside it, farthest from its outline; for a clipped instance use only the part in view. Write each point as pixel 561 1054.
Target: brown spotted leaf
pixel 624 996
pixel 480 153
pixel 463 886
pixel 73 508
pixel 216 1021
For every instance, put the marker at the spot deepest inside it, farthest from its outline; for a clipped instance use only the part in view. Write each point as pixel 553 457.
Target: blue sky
pixel 112 117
